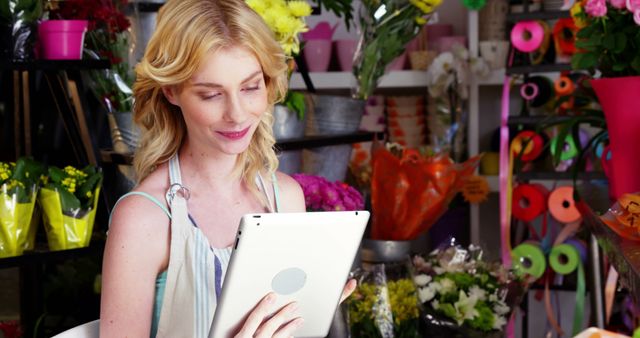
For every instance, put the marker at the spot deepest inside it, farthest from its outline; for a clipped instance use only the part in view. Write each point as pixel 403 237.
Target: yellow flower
pixel 576 9
pixel 299 8
pixel 420 20
pixel 433 3
pixel 425 8
pixel 257 5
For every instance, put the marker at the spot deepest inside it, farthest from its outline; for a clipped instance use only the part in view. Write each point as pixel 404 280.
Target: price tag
pixel 476 189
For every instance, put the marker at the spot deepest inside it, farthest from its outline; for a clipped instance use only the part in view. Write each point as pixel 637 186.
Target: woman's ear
pixel 170 94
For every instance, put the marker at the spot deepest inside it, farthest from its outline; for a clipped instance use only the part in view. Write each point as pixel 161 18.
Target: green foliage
pixel 20 178
pixel 484 320
pixel 341 8
pixel 295 102
pixel 28 11
pixel 608 44
pixel 75 187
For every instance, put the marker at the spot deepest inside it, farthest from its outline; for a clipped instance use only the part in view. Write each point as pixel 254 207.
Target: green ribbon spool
pixel 570 149
pixel 529 259
pixel 474 5
pixel 565 259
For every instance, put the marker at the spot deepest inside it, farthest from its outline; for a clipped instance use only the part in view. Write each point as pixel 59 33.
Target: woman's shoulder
pixel 290 193
pixel 147 198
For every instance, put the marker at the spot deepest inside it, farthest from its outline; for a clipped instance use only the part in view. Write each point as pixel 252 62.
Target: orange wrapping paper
pixel 410 193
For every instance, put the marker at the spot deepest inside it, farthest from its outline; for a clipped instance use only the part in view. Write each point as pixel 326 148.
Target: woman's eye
pixel 252 88
pixel 210 96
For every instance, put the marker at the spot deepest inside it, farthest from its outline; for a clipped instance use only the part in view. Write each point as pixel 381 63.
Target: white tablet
pixel 303 257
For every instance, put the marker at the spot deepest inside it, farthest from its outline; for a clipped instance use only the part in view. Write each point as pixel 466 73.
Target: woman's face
pixel 224 100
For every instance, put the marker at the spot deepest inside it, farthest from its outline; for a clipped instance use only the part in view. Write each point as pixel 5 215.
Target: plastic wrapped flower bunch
pixel 384 304
pixel 18 189
pixel 69 198
pixel 461 294
pixel 322 195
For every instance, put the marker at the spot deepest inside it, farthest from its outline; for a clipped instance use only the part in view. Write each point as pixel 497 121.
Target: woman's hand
pixel 348 289
pixel 282 324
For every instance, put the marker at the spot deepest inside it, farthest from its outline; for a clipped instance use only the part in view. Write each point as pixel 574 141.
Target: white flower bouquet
pixel 461 295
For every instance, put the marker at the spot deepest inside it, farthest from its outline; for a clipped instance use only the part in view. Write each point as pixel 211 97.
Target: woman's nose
pixel 235 112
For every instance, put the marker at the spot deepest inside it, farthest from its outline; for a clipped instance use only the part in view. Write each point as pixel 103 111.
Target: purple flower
pixel 619 4
pixel 597 8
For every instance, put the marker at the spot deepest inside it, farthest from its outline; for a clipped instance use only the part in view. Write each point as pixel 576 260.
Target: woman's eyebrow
pixel 215 85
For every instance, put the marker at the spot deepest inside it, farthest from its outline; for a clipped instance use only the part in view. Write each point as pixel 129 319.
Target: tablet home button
pixel 289 281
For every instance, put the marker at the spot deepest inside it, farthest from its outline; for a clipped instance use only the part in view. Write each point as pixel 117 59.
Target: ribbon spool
pixel 569 150
pixel 538 56
pixel 527 36
pixel 529 91
pixel 564 36
pixel 529 201
pixel 528 259
pixel 564 86
pixel 565 259
pixel 545 90
pixel 562 206
pixel 532 143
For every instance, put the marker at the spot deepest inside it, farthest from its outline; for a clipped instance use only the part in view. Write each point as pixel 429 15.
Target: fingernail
pixel 271 298
pixel 294 306
pixel 299 322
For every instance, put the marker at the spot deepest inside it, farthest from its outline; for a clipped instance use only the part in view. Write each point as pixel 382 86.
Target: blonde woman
pixel 204 93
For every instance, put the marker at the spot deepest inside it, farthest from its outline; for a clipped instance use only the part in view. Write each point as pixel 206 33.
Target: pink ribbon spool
pixel 530 42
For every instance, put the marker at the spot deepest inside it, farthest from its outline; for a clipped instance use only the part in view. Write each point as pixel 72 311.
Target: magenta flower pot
pixel 619 100
pixel 62 39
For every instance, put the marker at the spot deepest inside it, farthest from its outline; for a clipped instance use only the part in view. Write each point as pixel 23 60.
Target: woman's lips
pixel 234 135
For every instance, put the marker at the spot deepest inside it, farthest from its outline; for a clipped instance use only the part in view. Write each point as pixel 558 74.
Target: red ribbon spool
pixel 532 144
pixel 529 201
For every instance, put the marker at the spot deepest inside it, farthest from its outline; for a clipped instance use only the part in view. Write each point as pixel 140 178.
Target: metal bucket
pixel 287 125
pixel 331 115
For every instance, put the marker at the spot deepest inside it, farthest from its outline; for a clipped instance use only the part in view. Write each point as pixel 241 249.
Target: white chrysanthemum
pixel 501 308
pixel 426 294
pixel 447 286
pixel 499 322
pixel 422 280
pixel 477 293
pixel 465 308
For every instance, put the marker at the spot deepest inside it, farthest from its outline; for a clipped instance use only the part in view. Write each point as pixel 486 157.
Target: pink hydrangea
pixel 596 8
pixel 322 195
pixel 619 4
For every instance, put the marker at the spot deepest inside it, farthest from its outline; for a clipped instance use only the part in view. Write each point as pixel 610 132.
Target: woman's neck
pixel 199 166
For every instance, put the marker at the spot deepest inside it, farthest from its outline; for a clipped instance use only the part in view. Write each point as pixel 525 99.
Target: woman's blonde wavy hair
pixel 186 30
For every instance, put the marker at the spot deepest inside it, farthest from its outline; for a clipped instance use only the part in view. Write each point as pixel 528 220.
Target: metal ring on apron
pixel 175 189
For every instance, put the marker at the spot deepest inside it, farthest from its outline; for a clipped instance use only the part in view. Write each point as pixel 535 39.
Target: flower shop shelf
pixel 537 119
pixel 41 255
pixel 147 6
pixel 538 15
pixel 56 65
pixel 110 156
pixel 346 80
pixel 543 68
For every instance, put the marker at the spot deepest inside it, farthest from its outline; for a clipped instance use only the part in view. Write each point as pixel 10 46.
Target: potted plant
pixel 18 19
pixel 608 43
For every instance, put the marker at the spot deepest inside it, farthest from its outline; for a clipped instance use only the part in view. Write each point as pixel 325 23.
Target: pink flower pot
pixel 619 100
pixel 397 63
pixel 317 54
pixel 62 39
pixel 345 50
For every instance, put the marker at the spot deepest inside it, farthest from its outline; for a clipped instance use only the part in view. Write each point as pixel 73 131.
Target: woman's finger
pixel 269 327
pixel 348 289
pixel 256 316
pixel 289 329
